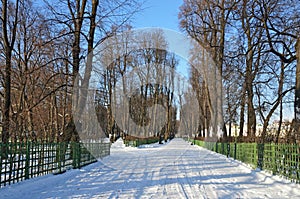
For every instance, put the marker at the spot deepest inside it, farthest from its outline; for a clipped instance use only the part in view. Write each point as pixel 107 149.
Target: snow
pixel 119 144
pixel 154 145
pixel 173 170
pixel 106 140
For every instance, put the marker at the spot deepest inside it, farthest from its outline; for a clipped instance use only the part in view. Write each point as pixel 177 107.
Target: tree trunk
pixel 297 90
pixel 242 112
pixel 296 122
pixel 77 19
pixel 251 125
pixel 89 62
pixel 8 37
pixel 280 122
pixel 7 98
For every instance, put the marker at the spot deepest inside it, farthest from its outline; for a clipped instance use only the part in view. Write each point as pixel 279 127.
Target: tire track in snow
pixel 185 187
pixel 208 189
pixel 127 169
pixel 218 183
pixel 181 172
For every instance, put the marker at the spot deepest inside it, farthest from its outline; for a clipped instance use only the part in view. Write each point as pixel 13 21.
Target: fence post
pixel 222 148
pixel 58 155
pixel 74 152
pixel 260 155
pixel 100 150
pixel 274 165
pixel 228 149
pixel 27 165
pixel 234 153
pixel 136 143
pixel 79 155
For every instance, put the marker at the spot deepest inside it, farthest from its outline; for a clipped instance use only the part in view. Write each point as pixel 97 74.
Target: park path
pixel 173 170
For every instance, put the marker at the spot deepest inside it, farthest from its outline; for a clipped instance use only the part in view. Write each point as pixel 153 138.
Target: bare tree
pixel 267 107
pixel 206 21
pixel 10 20
pixel 140 83
pixel 281 25
pixel 88 23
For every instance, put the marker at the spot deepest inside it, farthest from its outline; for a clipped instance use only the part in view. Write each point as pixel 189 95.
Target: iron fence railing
pixel 280 159
pixel 21 161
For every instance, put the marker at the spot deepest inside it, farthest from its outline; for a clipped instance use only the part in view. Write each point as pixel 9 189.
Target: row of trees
pixel 137 75
pixel 245 51
pixel 66 71
pixel 42 47
pixel 254 45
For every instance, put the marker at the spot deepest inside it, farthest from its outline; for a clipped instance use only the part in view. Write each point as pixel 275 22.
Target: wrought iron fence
pixel 280 159
pixel 21 161
pixel 140 141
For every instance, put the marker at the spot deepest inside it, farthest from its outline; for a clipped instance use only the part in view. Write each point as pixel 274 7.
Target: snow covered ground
pixel 173 170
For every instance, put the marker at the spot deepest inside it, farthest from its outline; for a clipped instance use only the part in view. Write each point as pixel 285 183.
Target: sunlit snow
pixel 176 169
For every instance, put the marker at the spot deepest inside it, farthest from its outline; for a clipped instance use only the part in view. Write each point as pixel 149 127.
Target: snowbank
pixel 118 144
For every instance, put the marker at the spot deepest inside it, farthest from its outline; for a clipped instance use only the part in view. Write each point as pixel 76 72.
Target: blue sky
pixel 164 14
pixel 159 13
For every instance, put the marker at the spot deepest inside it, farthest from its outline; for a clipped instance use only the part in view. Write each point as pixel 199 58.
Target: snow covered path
pixel 173 170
